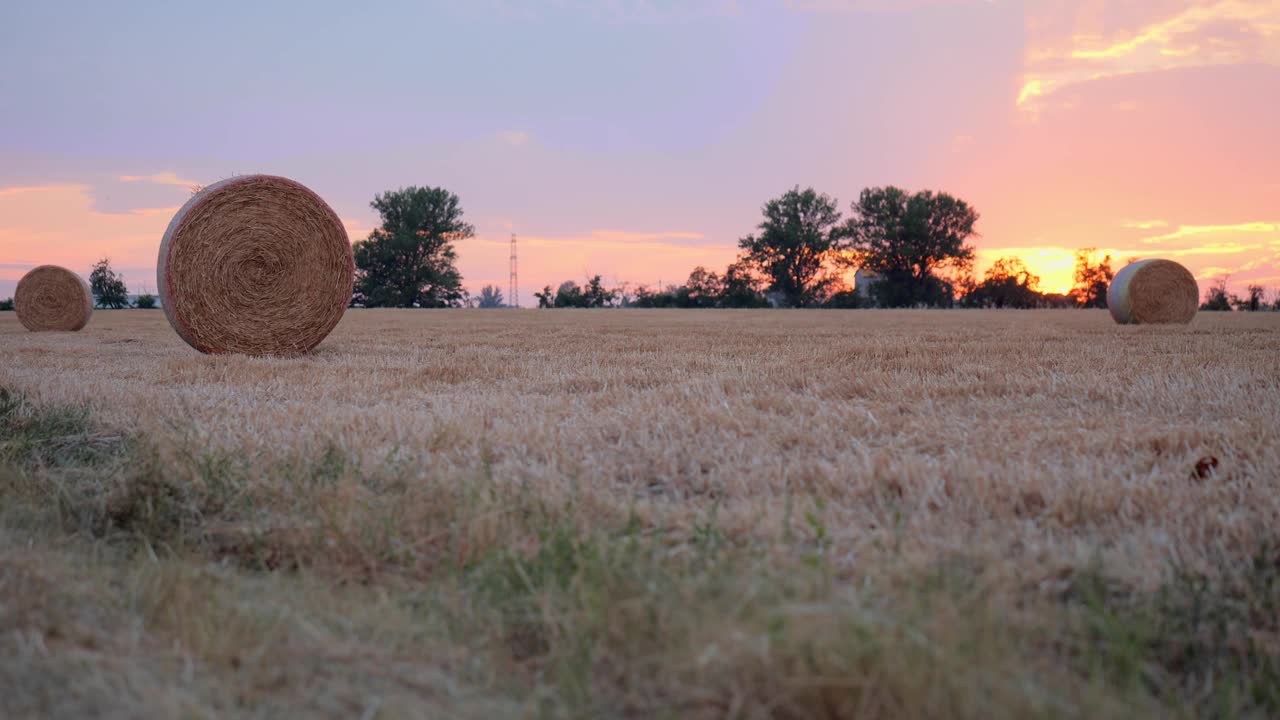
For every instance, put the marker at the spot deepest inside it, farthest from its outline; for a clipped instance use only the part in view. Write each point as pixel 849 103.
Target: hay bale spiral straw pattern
pixel 53 298
pixel 1153 291
pixel 258 265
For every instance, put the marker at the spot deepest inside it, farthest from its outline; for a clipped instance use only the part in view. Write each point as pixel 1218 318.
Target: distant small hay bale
pixel 1153 291
pixel 258 265
pixel 53 298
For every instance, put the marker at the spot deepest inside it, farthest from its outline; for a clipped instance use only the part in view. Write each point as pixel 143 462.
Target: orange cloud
pixel 640 237
pixel 1082 48
pixel 1032 89
pixel 164 178
pixel 1190 230
pixel 356 229
pixel 58 224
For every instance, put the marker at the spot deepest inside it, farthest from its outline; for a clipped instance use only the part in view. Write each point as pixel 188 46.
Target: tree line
pixel 1217 298
pixel 908 250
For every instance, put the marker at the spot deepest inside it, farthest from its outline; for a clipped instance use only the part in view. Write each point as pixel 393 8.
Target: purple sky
pixel 638 139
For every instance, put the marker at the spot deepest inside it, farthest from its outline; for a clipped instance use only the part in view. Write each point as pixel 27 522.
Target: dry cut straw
pixel 53 298
pixel 258 265
pixel 1153 291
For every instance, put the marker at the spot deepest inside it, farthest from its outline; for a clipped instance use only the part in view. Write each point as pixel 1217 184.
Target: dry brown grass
pixel 709 513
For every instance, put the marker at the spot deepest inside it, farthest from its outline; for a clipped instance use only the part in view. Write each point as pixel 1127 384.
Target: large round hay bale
pixel 53 298
pixel 1153 291
pixel 258 265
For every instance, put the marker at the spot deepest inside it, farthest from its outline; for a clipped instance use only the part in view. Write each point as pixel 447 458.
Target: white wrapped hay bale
pixel 1153 291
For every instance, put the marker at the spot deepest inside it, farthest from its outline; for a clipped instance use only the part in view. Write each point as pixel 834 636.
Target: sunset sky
pixel 638 139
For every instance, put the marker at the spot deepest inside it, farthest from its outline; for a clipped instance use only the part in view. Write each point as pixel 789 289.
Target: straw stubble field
pixel 630 513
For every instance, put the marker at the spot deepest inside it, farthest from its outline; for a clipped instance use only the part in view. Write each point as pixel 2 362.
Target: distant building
pixel 863 280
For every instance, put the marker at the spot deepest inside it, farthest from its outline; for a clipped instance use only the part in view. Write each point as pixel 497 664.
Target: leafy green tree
pixel 145 301
pixel 546 298
pixel 1253 302
pixel 648 298
pixel 907 239
pixel 410 261
pixel 108 288
pixel 1007 284
pixel 490 297
pixel 797 237
pixel 741 288
pixel 569 295
pixel 596 295
pixel 1091 279
pixel 703 288
pixel 1217 298
pixel 6 304
pixel 738 287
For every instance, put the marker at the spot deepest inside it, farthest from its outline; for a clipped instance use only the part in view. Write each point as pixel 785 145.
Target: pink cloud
pixel 164 178
pixel 1073 44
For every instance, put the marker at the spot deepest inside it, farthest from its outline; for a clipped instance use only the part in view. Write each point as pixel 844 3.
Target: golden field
pixel 645 513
